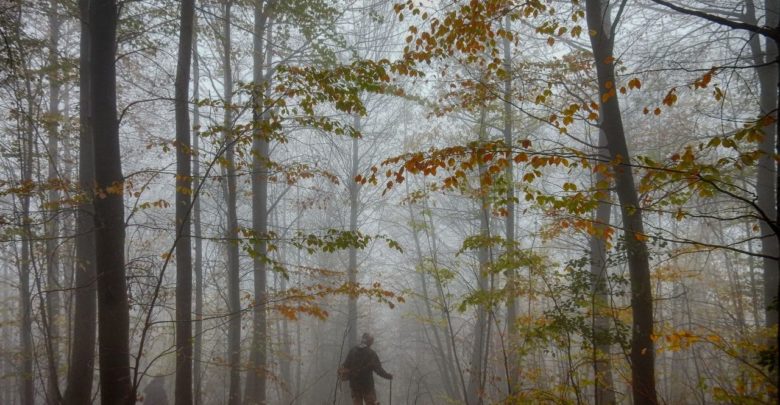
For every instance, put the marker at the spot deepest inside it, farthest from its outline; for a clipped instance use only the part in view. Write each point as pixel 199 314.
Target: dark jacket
pixel 362 363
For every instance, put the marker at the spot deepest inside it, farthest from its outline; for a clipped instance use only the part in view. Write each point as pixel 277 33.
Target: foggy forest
pixel 391 201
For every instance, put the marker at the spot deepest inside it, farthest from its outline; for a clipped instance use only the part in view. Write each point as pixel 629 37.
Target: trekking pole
pixel 391 392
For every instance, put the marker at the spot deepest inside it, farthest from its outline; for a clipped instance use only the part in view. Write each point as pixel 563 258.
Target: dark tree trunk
pixel 183 389
pixel 642 347
pixel 766 175
pixel 234 301
pixel 767 170
pixel 82 357
pixel 602 365
pixel 113 316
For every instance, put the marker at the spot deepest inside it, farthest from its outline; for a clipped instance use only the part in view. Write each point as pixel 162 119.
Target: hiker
pixel 359 368
pixel 154 394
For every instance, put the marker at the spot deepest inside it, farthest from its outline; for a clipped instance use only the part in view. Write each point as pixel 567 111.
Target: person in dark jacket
pixel 360 365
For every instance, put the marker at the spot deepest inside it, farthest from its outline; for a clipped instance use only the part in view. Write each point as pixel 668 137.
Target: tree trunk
pixel 767 170
pixel 642 347
pixel 183 389
pixel 441 360
pixel 234 301
pixel 513 369
pixel 602 364
pixel 285 369
pixel 476 387
pixel 354 190
pixel 449 332
pixel 198 262
pixel 26 387
pixel 53 196
pixel 82 357
pixel 766 175
pixel 113 316
pixel 256 374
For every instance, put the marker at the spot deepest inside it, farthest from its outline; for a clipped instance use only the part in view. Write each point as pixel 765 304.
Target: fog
pixel 463 202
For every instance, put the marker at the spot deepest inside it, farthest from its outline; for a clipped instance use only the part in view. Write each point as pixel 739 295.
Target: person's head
pixel 366 340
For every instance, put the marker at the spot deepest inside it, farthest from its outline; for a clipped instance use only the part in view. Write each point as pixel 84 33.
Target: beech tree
pixel 183 392
pixel 113 311
pixel 81 365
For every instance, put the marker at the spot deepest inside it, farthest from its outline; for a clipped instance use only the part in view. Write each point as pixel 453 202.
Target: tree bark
pixel 53 196
pixel 256 374
pixel 766 175
pixel 82 357
pixel 183 389
pixel 604 390
pixel 234 301
pixel 26 387
pixel 354 190
pixel 513 372
pixel 441 360
pixel 642 347
pixel 476 387
pixel 113 316
pixel 196 221
pixel 449 332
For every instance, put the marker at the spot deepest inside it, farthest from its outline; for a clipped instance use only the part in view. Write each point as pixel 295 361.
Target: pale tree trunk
pixel 755 306
pixel 513 369
pixel 285 369
pixel 68 221
pixel 27 390
pixel 256 374
pixel 234 301
pixel 82 357
pixel 449 332
pixel 196 223
pixel 642 347
pixel 767 170
pixel 735 284
pixel 183 389
pixel 283 331
pixel 441 358
pixel 476 387
pixel 113 315
pixel 354 190
pixel 298 338
pixel 602 342
pixel 26 139
pixel 7 368
pixel 53 196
